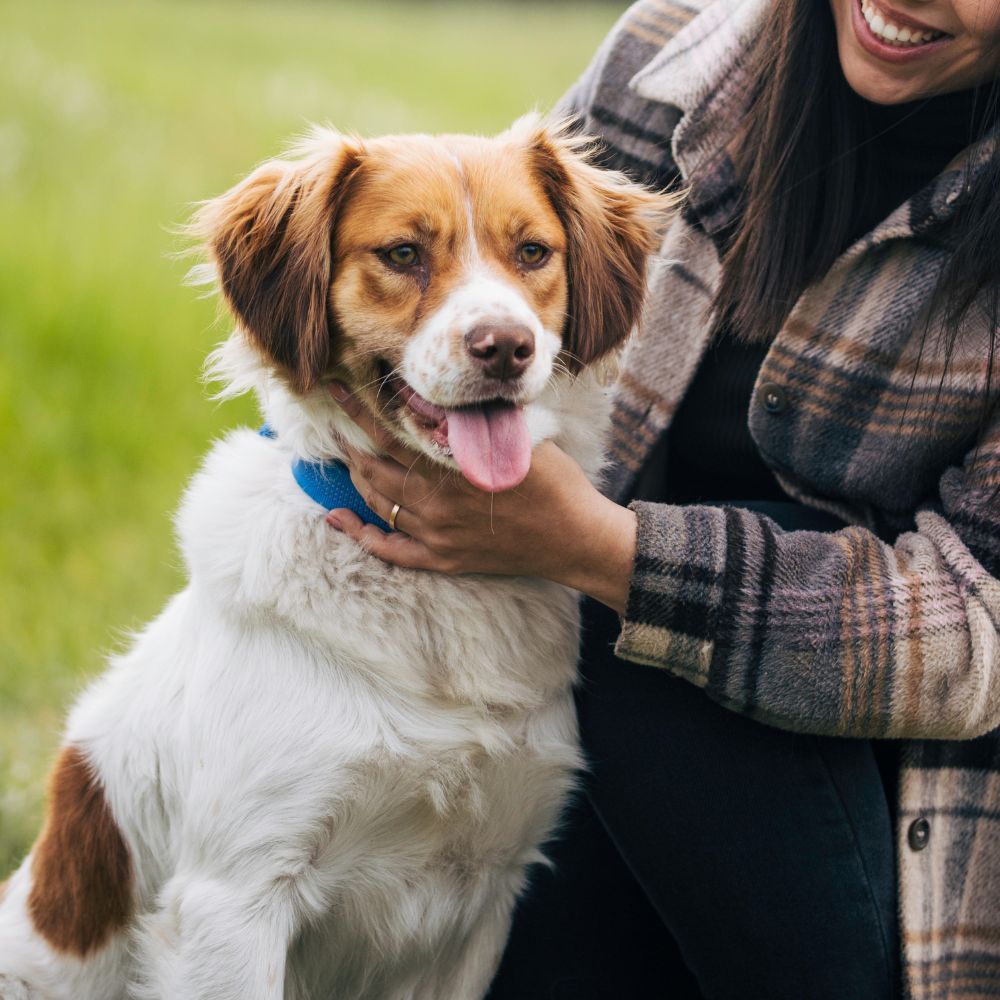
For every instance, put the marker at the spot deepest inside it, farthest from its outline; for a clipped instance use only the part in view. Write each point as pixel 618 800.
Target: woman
pixel 827 567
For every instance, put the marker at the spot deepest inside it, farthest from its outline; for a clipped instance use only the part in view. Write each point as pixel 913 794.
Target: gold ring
pixel 392 517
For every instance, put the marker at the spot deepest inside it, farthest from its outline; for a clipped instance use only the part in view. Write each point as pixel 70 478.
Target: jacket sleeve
pixel 831 633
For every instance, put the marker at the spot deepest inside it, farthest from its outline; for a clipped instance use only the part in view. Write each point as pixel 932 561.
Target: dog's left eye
pixel 404 255
pixel 532 254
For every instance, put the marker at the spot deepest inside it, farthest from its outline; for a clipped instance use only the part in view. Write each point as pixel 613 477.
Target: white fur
pixel 330 773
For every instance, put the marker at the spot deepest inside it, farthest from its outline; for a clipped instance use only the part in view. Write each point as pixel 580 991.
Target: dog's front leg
pixel 466 974
pixel 214 939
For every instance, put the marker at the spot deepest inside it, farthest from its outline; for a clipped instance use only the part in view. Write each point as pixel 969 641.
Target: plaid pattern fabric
pixel 888 628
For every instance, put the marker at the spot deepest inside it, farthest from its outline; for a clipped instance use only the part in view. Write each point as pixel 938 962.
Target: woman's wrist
pixel 604 547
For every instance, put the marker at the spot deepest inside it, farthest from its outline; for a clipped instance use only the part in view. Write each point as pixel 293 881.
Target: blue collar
pixel 330 485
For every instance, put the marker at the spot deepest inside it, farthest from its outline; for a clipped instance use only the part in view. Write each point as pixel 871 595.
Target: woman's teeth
pixel 892 34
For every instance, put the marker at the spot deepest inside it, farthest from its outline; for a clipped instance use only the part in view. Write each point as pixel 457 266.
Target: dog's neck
pixel 329 484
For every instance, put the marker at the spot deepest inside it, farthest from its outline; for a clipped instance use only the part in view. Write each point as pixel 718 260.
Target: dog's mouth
pixel 488 440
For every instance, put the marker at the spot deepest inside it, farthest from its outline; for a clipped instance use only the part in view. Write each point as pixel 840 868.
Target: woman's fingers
pixel 381 502
pixel 393 547
pixel 360 414
pixel 387 477
pixel 351 405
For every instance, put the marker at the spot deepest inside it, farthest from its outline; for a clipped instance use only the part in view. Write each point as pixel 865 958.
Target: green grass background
pixel 114 118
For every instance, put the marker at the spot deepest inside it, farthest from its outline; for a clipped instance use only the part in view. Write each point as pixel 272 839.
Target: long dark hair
pixel 803 170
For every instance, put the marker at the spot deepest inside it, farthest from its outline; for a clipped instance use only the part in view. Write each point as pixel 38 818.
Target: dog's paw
pixel 15 989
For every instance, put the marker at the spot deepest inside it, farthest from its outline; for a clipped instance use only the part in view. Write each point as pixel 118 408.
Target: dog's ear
pixel 612 226
pixel 270 238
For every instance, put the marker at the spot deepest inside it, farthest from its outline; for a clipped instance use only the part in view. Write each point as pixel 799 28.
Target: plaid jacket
pixel 890 627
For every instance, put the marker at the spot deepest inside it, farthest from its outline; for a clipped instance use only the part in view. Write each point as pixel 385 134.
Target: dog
pixel 317 775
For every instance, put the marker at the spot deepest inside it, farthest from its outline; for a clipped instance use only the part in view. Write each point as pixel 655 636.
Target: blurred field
pixel 114 117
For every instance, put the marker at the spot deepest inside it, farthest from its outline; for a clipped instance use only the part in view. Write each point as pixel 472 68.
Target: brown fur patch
pixel 611 226
pixel 270 239
pixel 81 889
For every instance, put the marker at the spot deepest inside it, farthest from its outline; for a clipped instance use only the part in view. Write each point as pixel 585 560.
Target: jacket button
pixel 773 397
pixel 919 834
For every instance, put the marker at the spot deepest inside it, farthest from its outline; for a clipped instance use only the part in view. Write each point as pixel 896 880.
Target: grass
pixel 114 118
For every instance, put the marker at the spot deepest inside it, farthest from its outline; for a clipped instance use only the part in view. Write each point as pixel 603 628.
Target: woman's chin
pixel 877 86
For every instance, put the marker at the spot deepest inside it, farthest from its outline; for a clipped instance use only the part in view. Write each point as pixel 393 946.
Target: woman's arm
pixel 829 633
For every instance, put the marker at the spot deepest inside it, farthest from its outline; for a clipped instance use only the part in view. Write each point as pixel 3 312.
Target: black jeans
pixel 708 858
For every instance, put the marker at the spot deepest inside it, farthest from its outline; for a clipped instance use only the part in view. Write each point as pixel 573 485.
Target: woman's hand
pixel 555 525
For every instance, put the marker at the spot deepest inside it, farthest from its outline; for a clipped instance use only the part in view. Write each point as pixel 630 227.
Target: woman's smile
pixel 890 36
pixel 916 49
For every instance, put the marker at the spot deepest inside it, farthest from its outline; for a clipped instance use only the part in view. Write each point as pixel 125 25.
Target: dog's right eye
pixel 404 255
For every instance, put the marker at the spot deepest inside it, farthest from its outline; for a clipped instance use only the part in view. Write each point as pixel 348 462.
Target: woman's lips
pixel 891 38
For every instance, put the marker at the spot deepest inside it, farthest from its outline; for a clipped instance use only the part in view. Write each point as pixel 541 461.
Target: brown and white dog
pixel 316 775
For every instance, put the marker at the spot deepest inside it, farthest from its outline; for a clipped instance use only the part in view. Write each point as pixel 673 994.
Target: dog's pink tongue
pixel 491 445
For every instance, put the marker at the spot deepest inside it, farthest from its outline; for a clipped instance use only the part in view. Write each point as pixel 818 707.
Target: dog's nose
pixel 503 351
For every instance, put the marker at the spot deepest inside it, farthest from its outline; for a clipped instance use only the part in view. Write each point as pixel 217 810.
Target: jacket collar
pixel 701 72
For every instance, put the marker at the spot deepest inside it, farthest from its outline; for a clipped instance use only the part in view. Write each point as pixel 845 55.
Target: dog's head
pixel 445 280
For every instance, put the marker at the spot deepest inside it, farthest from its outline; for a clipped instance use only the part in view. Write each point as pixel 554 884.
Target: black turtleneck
pixel 905 146
pixel 710 455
